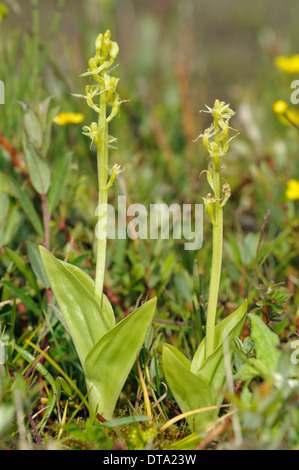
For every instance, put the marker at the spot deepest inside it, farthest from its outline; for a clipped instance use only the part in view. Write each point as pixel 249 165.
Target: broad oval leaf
pixel 84 317
pixel 23 268
pixel 231 325
pixel 109 362
pixel 190 391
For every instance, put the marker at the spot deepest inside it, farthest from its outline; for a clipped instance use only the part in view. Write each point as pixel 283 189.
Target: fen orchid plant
pixel 107 351
pixel 197 384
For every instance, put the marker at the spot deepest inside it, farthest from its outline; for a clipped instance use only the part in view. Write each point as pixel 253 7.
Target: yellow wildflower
pixel 292 191
pixel 292 115
pixel 68 118
pixel 3 11
pixel 288 64
pixel 280 107
pixel 288 116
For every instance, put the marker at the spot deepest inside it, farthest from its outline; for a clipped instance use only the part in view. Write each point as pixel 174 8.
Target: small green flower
pixel 216 137
pixel 115 170
pixel 93 132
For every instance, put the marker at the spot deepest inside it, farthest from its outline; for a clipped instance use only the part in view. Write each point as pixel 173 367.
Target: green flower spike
pixel 197 384
pixel 104 91
pixel 107 351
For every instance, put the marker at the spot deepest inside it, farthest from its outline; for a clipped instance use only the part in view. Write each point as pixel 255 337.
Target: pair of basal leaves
pixel 107 351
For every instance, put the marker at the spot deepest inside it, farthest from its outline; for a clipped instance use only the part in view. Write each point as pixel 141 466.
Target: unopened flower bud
pixel 216 137
pixel 227 193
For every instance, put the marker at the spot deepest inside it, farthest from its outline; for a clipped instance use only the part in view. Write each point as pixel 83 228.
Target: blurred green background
pixel 222 46
pixel 175 57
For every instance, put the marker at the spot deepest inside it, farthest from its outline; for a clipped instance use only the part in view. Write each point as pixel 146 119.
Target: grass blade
pixel 27 206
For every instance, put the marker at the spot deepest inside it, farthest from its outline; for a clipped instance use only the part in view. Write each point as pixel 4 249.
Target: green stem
pixel 216 264
pixel 36 39
pixel 102 160
pixel 53 31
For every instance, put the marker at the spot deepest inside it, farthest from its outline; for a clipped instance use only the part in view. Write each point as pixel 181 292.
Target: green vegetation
pixel 138 343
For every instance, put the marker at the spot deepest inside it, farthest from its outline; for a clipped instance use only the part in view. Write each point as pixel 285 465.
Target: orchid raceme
pixel 288 64
pixel 63 118
pixel 280 107
pixel 198 384
pixel 107 351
